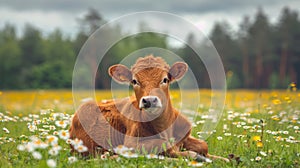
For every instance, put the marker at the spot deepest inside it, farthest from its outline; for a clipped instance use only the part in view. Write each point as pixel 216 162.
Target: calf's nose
pixel 150 102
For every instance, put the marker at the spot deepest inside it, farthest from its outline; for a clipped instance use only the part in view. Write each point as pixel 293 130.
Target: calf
pixel 145 121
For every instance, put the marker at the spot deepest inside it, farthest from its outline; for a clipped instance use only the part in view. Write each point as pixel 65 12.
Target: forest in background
pixel 259 55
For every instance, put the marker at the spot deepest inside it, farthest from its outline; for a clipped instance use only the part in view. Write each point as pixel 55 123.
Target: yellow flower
pixel 293 84
pixel 259 144
pixel 256 138
pixel 276 101
pixel 229 73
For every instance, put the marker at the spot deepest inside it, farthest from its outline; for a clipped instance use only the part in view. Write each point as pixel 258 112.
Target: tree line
pixel 260 54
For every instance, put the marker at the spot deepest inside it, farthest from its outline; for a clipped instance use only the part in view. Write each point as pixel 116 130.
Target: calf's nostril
pixel 155 100
pixel 146 103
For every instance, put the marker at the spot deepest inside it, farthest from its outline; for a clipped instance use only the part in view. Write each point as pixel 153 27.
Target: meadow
pixel 258 128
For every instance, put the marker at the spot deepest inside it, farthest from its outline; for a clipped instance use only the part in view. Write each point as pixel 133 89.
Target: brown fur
pixel 105 120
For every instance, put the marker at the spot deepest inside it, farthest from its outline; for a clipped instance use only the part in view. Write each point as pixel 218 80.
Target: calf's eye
pixel 134 82
pixel 165 80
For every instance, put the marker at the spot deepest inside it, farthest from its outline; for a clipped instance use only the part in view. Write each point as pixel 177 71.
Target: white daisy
pixel 52 140
pixel 72 159
pixel 64 134
pixel 219 138
pixel 152 156
pixel 258 158
pixel 51 163
pixel 5 130
pixel 62 123
pixel 81 148
pixel 37 155
pixel 21 147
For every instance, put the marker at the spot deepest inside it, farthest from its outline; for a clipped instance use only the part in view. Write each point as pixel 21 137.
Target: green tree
pixel 243 40
pixel 10 56
pixel 56 70
pixel 260 33
pixel 288 38
pixel 32 52
pixel 227 48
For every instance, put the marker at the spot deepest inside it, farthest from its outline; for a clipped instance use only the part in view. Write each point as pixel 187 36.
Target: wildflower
pixel 285 132
pixel 69 141
pixel 39 144
pixel 195 164
pixel 129 154
pixel 21 147
pixel 76 142
pixel 5 130
pixel 62 123
pixel 258 158
pixel 37 155
pixel 276 101
pixel 200 122
pixel 103 157
pixel 55 133
pixel 51 163
pixel 32 127
pixel 64 134
pixel 81 148
pixel 225 127
pixel 29 147
pixel 52 139
pixel 72 159
pixel 296 127
pixel 227 134
pixel 256 138
pixel 151 156
pixel 121 149
pixel 52 127
pixel 219 138
pixel 263 153
pixel 54 150
pixel 259 144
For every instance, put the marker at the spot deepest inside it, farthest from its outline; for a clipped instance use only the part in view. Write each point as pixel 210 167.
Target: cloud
pixel 48 15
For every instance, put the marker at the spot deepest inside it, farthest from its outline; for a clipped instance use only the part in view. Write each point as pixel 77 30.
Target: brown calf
pixel 144 121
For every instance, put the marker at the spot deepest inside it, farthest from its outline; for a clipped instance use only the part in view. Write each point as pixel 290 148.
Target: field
pixel 257 129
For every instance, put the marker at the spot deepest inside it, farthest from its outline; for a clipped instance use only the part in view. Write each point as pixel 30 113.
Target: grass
pixel 257 129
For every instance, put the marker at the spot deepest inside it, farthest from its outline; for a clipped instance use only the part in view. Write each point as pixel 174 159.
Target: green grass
pixel 272 117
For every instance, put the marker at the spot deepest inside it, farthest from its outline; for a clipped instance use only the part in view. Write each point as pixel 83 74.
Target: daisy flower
pixel 81 148
pixel 32 127
pixel 52 139
pixel 62 123
pixel 76 142
pixel 258 158
pixel 5 130
pixel 51 163
pixel 63 134
pixel 121 149
pixel 72 159
pixel 21 147
pixel 129 154
pixel 219 138
pixel 37 155
pixel 152 156
pixel 195 164
pixel 263 153
pixel 54 150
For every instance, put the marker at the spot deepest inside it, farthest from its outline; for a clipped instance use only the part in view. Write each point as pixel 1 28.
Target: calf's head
pixel 150 77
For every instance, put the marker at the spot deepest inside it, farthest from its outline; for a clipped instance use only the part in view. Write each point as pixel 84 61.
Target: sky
pixel 47 15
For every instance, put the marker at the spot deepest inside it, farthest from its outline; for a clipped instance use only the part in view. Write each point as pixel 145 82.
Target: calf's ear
pixel 120 74
pixel 177 71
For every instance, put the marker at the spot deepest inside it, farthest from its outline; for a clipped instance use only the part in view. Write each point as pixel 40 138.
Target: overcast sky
pixel 50 14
